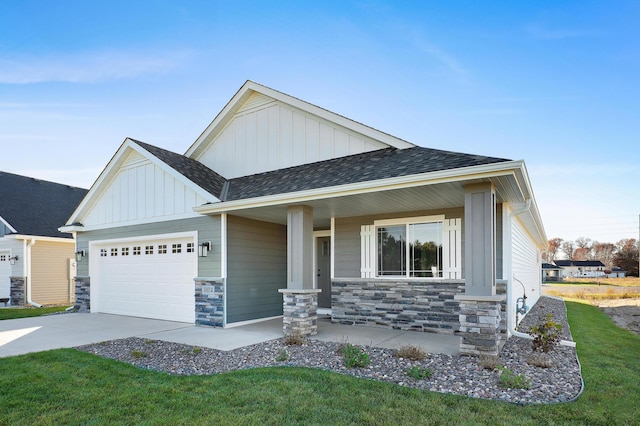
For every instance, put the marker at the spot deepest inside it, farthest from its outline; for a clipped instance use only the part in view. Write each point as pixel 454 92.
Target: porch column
pixel 480 240
pixel 299 247
pixel 479 305
pixel 300 299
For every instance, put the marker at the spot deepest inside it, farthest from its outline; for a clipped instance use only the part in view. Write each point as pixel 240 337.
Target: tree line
pixel 623 254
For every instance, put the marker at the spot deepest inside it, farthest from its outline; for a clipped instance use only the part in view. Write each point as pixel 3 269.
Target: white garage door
pixel 5 272
pixel 149 278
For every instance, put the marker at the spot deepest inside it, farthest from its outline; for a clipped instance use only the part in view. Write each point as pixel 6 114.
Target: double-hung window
pixel 418 247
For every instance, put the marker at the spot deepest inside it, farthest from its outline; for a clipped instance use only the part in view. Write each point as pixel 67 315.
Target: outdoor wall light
pixel 80 254
pixel 204 248
pixel 12 259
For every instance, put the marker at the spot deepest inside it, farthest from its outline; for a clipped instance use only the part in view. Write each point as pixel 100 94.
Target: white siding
pixel 525 267
pixel 268 135
pixel 142 191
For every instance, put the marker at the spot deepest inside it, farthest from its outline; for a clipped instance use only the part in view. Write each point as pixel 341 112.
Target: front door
pixel 323 271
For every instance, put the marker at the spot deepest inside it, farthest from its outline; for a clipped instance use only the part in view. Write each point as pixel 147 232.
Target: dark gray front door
pixel 323 272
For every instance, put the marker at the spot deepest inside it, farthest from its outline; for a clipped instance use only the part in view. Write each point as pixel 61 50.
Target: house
pixel 37 262
pixel 581 268
pixel 281 205
pixel 551 272
pixel 616 272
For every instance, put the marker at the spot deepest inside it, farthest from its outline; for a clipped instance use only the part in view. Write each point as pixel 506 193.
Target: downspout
pixel 27 267
pixel 510 325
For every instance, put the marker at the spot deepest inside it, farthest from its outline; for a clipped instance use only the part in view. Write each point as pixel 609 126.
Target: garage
pixel 5 272
pixel 149 277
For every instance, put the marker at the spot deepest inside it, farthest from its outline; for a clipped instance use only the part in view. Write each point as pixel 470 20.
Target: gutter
pixel 510 326
pixel 27 267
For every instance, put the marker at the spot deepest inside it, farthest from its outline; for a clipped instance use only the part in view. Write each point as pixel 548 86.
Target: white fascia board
pixel 249 87
pixel 40 238
pixel 540 235
pixel 432 178
pixel 160 219
pixel 101 184
pixel 7 224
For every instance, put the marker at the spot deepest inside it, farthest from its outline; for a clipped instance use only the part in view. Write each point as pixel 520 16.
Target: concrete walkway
pixel 37 334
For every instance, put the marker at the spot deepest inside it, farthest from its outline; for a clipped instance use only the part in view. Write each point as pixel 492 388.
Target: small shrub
pixel 149 341
pixel 489 362
pixel 545 334
pixel 355 357
pixel 414 353
pixel 282 356
pixel 508 379
pixel 539 359
pixel 138 354
pixel 294 340
pixel 418 373
pixel 197 350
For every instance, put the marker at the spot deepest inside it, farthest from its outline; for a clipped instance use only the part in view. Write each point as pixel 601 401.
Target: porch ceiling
pixel 428 197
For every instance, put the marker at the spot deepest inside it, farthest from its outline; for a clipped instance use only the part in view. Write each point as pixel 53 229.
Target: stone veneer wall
pixel 299 312
pixel 210 302
pixel 16 292
pixel 427 306
pixel 83 294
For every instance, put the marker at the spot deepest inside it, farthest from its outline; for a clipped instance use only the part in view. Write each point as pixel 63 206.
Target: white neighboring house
pixel 581 268
pixel 37 262
pixel 281 196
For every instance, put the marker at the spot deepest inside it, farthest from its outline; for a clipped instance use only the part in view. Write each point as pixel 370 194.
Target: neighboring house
pixel 286 197
pixel 37 262
pixel 551 272
pixel 581 268
pixel 616 272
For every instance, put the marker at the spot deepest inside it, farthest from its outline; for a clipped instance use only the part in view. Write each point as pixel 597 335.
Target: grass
pixel 616 282
pixel 13 313
pixel 71 387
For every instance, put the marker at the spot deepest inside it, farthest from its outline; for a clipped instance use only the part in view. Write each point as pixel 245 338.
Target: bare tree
pixel 552 249
pixel 583 249
pixel 604 253
pixel 569 248
pixel 626 256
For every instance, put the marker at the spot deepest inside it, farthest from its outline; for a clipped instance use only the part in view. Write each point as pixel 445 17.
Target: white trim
pixel 192 234
pixel 316 235
pixel 38 238
pixel 409 220
pixel 248 322
pixel 333 247
pixel 7 224
pixel 223 264
pixel 432 178
pixel 159 219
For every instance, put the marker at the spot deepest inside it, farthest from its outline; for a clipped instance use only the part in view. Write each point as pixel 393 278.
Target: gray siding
pixel 256 268
pixel 347 238
pixel 208 230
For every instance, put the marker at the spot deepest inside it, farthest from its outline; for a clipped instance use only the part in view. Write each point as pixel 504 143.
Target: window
pixel 418 247
pixel 125 251
pixel 162 249
pixel 412 249
pixel 114 252
pixel 3 257
pixel 190 248
pixel 176 248
pixel 148 249
pixel 136 250
pixel 103 252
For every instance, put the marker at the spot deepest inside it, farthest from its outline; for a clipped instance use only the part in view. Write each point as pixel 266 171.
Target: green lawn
pixel 71 387
pixel 13 313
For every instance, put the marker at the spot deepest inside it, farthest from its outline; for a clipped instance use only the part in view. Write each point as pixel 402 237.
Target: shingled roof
pixel 369 166
pixel 193 170
pixel 579 263
pixel 37 207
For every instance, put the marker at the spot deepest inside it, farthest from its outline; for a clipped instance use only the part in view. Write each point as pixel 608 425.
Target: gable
pixel 262 130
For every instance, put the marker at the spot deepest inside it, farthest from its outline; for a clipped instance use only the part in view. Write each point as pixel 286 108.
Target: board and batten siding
pixel 265 134
pixel 50 272
pixel 347 244
pixel 256 269
pixel 142 190
pixel 208 228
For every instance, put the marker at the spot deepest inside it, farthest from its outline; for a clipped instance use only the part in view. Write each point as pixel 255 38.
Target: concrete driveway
pixel 21 336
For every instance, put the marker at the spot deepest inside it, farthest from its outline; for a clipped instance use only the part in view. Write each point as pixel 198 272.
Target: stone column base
pixel 210 302
pixel 300 312
pixel 83 294
pixel 479 324
pixel 17 291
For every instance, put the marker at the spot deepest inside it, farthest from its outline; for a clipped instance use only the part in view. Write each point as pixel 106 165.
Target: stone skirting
pixel 83 294
pixel 17 291
pixel 480 324
pixel 209 302
pixel 300 312
pixel 399 304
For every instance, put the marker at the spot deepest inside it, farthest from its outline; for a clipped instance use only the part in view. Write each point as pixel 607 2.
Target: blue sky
pixel 555 83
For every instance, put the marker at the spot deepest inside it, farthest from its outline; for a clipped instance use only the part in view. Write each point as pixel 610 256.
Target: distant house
pixel 581 268
pixel 37 263
pixel 616 272
pixel 551 272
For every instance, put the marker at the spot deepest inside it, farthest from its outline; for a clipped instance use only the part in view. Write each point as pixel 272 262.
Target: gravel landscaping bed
pixel 559 381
